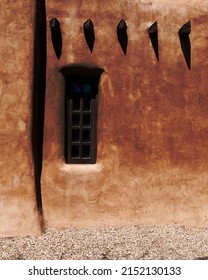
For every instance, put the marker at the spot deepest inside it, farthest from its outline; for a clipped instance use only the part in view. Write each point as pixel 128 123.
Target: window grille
pixel 81 119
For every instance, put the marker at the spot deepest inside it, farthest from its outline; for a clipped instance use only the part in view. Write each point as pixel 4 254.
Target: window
pixel 81 119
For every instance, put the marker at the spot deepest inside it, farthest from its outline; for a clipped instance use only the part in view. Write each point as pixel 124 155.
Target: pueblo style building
pixel 104 114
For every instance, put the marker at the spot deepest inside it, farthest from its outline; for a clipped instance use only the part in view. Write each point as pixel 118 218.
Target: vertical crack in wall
pixel 38 99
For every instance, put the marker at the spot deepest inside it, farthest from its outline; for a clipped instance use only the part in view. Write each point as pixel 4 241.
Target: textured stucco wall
pixel 17 192
pixel 152 123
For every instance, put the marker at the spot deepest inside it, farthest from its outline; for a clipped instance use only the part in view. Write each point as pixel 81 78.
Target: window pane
pixel 86 151
pixel 75 120
pixel 86 105
pixel 75 152
pixel 87 88
pixel 76 104
pixel 75 135
pixel 86 136
pixel 86 120
pixel 81 94
pixel 76 88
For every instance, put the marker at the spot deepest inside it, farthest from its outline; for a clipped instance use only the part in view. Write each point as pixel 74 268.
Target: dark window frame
pixel 82 73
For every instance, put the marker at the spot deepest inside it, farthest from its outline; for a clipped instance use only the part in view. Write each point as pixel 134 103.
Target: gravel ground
pixel 132 242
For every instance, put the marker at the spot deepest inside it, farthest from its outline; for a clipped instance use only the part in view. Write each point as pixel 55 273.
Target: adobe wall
pixel 17 192
pixel 152 124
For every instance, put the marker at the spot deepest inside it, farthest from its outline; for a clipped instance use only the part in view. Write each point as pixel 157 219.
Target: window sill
pixel 81 168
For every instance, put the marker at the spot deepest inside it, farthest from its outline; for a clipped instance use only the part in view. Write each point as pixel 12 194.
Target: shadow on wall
pixel 153 34
pixel 56 37
pixel 183 33
pixel 89 34
pixel 122 35
pixel 38 99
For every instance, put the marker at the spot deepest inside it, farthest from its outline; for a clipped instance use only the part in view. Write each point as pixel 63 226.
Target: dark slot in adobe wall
pixel 38 99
